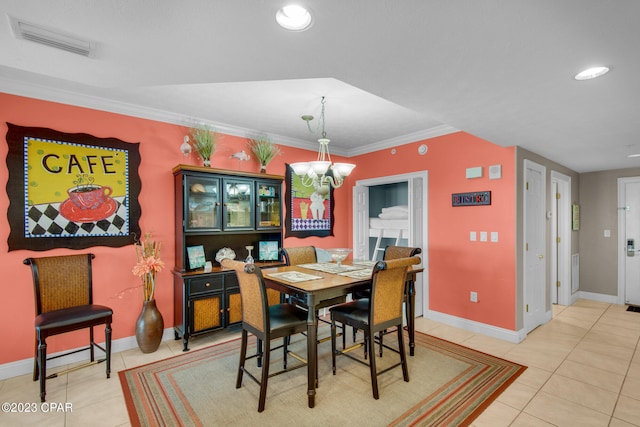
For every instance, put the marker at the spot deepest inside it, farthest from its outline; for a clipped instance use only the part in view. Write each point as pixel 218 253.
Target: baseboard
pixel 610 299
pixel 25 366
pixel 476 327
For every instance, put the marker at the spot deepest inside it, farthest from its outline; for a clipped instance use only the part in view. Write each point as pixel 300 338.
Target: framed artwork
pixel 309 212
pixel 196 257
pixel 268 250
pixel 71 190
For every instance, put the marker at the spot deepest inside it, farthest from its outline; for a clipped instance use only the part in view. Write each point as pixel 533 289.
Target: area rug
pixel 450 385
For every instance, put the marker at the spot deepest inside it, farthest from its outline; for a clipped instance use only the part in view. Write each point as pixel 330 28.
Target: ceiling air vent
pixel 26 31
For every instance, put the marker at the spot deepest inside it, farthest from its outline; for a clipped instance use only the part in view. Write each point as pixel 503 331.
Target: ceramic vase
pixel 149 327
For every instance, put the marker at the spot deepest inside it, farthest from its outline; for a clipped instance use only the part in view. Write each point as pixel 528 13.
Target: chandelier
pixel 316 173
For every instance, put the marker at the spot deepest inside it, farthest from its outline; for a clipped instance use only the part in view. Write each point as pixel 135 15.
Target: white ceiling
pixel 392 71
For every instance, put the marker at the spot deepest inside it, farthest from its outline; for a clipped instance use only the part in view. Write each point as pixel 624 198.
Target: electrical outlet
pixel 474 296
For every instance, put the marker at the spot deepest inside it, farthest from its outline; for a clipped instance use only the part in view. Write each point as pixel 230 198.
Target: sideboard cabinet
pixel 216 210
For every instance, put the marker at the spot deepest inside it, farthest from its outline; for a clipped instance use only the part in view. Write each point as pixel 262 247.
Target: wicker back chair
pixel 376 314
pixel 266 322
pixel 299 255
pixel 64 303
pixel 395 252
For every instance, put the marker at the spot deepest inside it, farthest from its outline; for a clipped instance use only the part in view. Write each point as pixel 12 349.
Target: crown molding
pixel 47 93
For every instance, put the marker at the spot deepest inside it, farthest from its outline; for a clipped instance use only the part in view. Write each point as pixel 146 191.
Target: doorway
pixel 535 244
pixel 415 186
pixel 629 241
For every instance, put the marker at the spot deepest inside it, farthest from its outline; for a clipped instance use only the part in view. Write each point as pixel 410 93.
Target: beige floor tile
pixel 106 413
pixel 619 352
pixel 450 333
pixel 496 415
pixel 619 423
pixel 518 395
pixel 489 345
pixel 562 412
pixel 591 375
pixel 534 377
pixel 526 420
pixel 581 393
pixel 631 335
pixel 611 364
pixel 631 388
pixel 634 370
pixel 628 410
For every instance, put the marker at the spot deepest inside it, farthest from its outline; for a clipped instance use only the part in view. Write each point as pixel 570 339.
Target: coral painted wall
pixel 456 265
pixel 114 284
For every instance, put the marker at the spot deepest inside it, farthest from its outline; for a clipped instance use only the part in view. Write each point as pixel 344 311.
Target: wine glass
pixel 249 259
pixel 339 254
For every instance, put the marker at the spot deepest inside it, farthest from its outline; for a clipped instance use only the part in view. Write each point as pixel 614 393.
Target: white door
pixel 631 249
pixel 534 241
pixel 416 239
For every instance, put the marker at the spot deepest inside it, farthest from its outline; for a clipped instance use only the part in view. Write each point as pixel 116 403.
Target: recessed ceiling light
pixel 633 155
pixel 591 73
pixel 294 18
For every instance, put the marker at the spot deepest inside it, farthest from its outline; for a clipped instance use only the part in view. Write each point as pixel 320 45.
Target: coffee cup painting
pixel 76 190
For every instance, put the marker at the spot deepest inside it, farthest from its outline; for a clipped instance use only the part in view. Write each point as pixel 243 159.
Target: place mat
pixel 330 267
pixel 293 276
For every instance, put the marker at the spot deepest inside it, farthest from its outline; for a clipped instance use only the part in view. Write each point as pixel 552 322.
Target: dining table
pixel 318 282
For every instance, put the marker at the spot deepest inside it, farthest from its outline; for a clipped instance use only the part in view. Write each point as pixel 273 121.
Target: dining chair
pixel 64 303
pixel 390 252
pixel 383 310
pixel 266 322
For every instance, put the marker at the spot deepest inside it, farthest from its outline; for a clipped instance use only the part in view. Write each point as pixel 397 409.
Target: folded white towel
pixel 394 215
pixel 399 208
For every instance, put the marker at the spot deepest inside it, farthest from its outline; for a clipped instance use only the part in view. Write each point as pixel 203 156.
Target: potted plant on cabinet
pixel 264 150
pixel 203 140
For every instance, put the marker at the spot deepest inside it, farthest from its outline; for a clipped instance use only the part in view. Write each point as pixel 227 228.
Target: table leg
pixel 312 355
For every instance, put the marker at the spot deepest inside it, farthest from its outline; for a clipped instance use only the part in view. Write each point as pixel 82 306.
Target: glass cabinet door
pixel 268 205
pixel 238 204
pixel 203 203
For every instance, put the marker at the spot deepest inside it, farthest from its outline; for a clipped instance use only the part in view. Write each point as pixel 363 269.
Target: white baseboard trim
pixel 477 327
pixel 611 299
pixel 25 366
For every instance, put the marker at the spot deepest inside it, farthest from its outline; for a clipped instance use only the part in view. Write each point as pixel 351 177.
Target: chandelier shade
pixel 315 173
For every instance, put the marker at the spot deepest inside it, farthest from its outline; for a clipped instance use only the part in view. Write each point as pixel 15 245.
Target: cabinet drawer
pixel 205 284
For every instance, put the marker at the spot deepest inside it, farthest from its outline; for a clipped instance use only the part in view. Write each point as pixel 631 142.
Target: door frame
pixel 560 257
pixel 406 177
pixel 622 231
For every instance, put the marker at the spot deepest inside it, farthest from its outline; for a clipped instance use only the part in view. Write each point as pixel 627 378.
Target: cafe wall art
pixel 309 209
pixel 71 190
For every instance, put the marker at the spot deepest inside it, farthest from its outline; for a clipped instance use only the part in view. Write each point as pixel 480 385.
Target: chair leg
pixel 36 366
pixel 42 362
pixel 285 344
pixel 372 364
pixel 258 352
pixel 403 355
pixel 333 346
pixel 243 357
pixel 381 335
pixel 107 337
pixel 265 374
pixel 91 344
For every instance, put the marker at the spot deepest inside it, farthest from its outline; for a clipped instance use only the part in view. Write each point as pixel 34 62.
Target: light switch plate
pixel 494 236
pixel 474 172
pixel 483 236
pixel 472 236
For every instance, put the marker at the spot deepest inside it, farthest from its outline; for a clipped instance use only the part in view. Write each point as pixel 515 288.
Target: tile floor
pixel 583 370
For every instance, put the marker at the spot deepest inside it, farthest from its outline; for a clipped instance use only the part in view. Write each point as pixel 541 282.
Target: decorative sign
pixel 471 199
pixel 71 190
